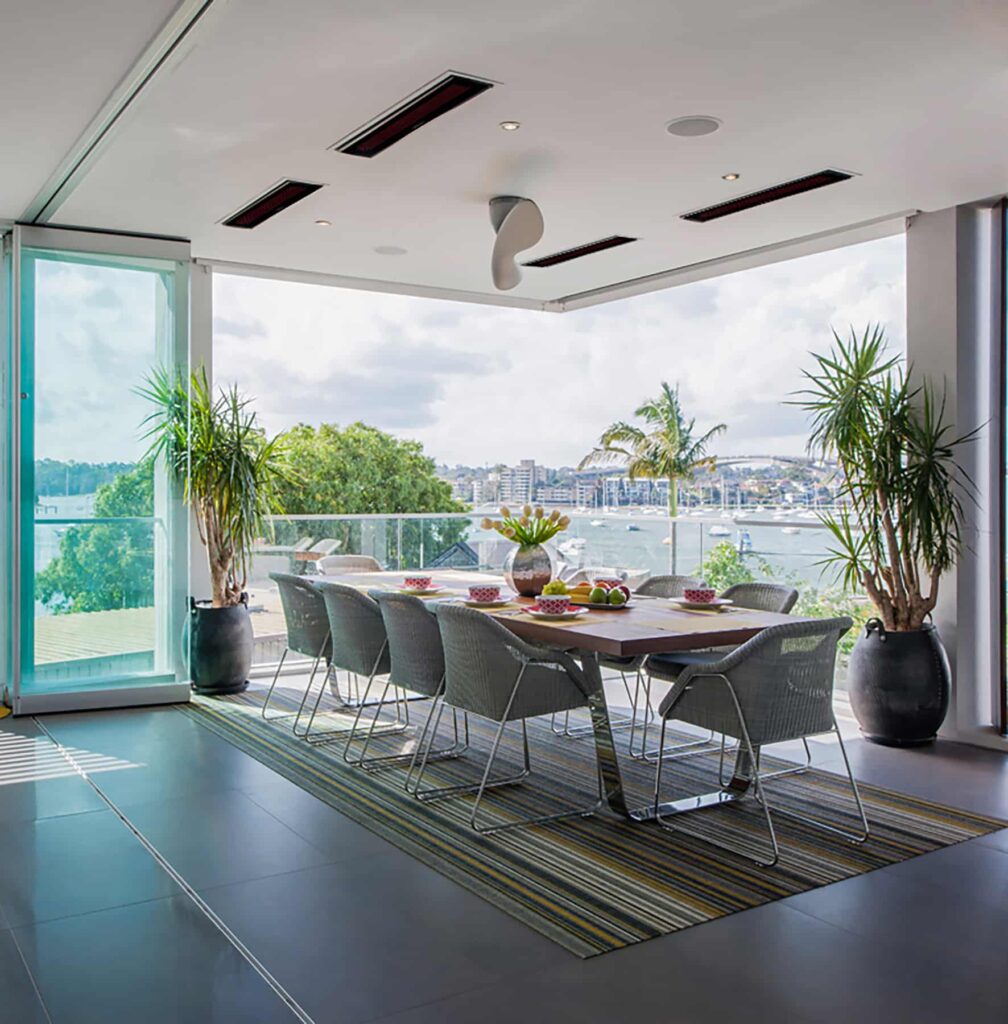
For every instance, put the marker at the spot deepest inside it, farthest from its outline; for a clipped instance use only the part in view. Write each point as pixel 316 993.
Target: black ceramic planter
pixel 899 684
pixel 220 647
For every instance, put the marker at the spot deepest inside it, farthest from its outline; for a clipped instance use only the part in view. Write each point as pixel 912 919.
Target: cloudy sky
pixel 480 385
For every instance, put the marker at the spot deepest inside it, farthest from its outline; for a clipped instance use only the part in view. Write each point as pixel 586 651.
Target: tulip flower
pixel 539 512
pixel 486 524
pixel 505 512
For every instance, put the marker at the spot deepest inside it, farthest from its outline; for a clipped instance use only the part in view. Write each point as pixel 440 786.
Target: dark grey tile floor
pixel 93 927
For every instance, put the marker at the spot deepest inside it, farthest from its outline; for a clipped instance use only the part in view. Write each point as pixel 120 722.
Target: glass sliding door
pixel 103 543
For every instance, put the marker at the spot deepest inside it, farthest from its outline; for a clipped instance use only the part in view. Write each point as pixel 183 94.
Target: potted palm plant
pixel 229 472
pixel 666 448
pixel 898 530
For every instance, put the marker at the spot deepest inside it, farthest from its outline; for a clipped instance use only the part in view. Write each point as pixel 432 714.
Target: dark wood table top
pixel 646 626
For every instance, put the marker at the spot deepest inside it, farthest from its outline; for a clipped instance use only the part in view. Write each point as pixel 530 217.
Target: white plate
pixel 716 605
pixel 572 613
pixel 499 603
pixel 422 591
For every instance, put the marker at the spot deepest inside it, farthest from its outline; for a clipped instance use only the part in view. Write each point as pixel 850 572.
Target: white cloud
pixel 479 384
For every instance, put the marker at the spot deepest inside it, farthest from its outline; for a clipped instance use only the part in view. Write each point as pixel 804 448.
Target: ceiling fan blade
pixel 519 225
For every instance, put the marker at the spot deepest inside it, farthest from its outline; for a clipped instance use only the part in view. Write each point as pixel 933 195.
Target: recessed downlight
pixel 730 177
pixel 693 126
pixel 323 223
pixel 510 126
pixel 390 250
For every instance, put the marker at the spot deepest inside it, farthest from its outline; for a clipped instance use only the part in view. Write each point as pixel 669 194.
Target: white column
pixel 953 267
pixel 200 354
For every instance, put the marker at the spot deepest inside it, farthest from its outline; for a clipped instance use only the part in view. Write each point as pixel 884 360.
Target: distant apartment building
pixel 555 494
pixel 517 484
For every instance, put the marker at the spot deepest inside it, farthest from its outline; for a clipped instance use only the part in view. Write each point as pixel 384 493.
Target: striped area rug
pixel 600 883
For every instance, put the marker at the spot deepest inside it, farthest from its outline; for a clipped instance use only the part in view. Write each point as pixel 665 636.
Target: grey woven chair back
pixel 783 679
pixel 334 565
pixel 482 662
pixel 357 629
pixel 415 651
pixel 305 615
pixel 667 586
pixel 764 597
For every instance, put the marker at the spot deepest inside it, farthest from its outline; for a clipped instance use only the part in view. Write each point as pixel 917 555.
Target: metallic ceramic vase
pixel 528 569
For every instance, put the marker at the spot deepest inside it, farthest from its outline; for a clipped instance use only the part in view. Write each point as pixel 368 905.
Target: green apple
pixel 616 597
pixel 599 595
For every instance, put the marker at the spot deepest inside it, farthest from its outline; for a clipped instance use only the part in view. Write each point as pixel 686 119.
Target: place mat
pixel 601 883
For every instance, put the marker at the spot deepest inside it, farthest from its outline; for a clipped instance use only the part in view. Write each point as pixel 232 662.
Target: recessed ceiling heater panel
pixel 287 193
pixel 581 250
pixel 445 94
pixel 768 195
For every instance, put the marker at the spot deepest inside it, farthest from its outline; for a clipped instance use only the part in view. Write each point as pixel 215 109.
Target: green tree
pixel 664 448
pixel 106 565
pixel 725 566
pixel 360 469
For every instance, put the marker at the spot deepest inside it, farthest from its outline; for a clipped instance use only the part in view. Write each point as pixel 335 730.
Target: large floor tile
pixel 972 869
pixel 19 1002
pixel 333 833
pixel 949 773
pixel 770 964
pixel 221 837
pixel 369 937
pixel 156 963
pixel 75 864
pixel 908 917
pixel 47 798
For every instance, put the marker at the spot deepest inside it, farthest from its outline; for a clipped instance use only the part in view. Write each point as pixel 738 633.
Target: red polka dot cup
pixel 554 604
pixel 484 593
pixel 418 582
pixel 700 595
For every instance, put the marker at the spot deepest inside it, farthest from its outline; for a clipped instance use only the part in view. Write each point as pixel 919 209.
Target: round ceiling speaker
pixel 691 127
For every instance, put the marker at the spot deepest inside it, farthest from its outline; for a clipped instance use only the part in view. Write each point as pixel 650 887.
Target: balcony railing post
pixel 399 542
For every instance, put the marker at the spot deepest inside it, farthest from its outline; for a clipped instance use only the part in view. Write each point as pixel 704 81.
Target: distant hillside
pixel 54 478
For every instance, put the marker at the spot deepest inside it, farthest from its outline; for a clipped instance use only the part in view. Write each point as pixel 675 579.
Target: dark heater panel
pixel 581 250
pixel 767 195
pixel 287 193
pixel 447 94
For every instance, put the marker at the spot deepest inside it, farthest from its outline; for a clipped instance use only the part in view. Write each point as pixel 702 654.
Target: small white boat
pixel 633 528
pixel 719 531
pixel 596 522
pixel 790 529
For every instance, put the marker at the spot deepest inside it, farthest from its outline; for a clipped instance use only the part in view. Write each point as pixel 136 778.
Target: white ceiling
pixel 58 64
pixel 911 96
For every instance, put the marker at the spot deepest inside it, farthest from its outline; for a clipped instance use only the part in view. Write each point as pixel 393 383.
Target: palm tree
pixel 665 448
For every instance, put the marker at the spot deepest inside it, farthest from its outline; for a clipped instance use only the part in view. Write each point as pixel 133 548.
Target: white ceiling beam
pixel 92 141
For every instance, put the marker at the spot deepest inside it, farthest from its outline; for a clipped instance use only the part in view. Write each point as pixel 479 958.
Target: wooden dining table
pixel 646 625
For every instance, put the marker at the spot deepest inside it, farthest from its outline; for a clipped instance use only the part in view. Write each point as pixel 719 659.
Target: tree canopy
pixel 106 565
pixel 360 469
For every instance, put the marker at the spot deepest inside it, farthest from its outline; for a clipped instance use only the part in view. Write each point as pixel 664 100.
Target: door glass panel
pixel 101 590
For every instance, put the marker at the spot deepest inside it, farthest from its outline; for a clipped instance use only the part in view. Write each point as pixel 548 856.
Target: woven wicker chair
pixel 491 673
pixel 765 597
pixel 776 687
pixel 654 586
pixel 359 646
pixel 307 630
pixel 334 565
pixel 416 665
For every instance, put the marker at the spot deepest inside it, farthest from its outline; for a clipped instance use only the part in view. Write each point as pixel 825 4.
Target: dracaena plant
pixel 900 522
pixel 229 470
